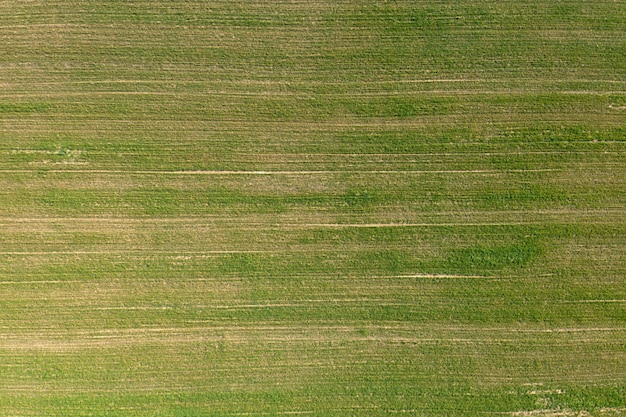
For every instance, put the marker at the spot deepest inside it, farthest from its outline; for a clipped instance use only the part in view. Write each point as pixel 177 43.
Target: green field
pixel 317 208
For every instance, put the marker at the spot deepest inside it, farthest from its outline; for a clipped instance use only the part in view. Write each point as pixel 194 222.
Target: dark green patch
pixel 24 108
pixel 486 259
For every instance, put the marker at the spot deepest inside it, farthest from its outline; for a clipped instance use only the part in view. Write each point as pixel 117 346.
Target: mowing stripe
pixel 320 172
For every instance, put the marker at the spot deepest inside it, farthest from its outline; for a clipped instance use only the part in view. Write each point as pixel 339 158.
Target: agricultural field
pixel 315 208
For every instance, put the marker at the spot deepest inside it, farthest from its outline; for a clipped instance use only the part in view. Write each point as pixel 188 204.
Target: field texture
pixel 311 207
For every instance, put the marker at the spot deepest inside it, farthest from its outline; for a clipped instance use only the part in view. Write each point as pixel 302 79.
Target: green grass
pixel 312 208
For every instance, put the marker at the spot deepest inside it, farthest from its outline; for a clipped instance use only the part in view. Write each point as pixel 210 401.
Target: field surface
pixel 316 208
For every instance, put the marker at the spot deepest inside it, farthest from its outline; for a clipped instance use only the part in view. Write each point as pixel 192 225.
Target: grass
pixel 316 208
